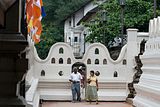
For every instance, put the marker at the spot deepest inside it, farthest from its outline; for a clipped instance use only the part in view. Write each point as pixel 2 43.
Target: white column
pixel 151 28
pixel 155 27
pixel 132 48
pixel 158 26
pixel 148 45
pixel 72 38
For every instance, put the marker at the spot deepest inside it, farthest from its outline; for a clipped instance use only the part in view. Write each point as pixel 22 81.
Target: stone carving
pixel 142 46
pixel 136 77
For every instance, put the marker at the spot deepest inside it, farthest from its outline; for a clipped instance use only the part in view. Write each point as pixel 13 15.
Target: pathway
pixel 85 104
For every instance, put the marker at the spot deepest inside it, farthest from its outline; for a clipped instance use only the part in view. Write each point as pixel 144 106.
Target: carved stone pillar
pixel 12 67
pixel 13 63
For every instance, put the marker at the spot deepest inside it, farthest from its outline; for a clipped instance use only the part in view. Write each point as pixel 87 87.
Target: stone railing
pixel 148 88
pixel 141 39
pixel 32 95
pixel 153 44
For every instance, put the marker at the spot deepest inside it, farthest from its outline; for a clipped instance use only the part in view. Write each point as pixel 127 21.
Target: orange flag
pixel 34 13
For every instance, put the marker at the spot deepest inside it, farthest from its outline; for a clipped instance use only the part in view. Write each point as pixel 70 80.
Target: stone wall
pixel 148 88
pixel 50 82
pixel 114 74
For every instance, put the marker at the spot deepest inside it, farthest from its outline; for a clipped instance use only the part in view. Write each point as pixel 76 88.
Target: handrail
pixel 31 91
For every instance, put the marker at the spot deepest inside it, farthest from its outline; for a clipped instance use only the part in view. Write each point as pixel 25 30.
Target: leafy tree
pixel 137 15
pixel 50 35
pixel 58 10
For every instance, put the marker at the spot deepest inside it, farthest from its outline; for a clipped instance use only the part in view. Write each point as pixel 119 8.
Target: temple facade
pixel 26 79
pixel 49 79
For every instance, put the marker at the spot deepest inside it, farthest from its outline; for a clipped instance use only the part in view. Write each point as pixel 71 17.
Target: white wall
pixel 106 71
pixel 49 85
pixel 51 69
pixel 148 88
pixel 55 87
pixel 78 16
pixel 111 88
pixel 90 6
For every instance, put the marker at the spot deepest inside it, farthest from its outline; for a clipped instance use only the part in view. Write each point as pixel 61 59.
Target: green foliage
pixel 50 35
pixel 137 15
pixel 56 11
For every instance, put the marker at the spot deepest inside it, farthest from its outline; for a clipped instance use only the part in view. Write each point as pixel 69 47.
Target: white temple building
pixel 75 32
pixel 49 79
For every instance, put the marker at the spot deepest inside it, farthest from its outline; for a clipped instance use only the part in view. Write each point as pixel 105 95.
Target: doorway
pixel 83 71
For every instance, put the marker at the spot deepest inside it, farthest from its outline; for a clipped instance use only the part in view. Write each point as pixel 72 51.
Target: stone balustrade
pixel 148 88
pixel 153 44
pixel 32 94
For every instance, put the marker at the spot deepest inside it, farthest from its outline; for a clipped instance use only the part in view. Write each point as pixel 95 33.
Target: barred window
pixel 60 60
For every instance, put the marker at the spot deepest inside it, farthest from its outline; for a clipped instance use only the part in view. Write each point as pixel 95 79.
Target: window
pixel 96 51
pixel 115 74
pixel 60 73
pixel 42 73
pixel 60 50
pixel 73 20
pixel 53 60
pixel 60 61
pixel 96 61
pixel 104 61
pixel 75 39
pixel 124 62
pixel 89 61
pixel 70 22
pixel 97 73
pixel 69 61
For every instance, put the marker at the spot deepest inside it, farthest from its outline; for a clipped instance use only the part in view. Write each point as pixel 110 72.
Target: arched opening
pixel 124 61
pixel 61 50
pixel 96 51
pixel 42 73
pixel 69 61
pixel 96 61
pixel 53 61
pixel 115 74
pixel 88 61
pixel 60 61
pixel 83 71
pixel 104 61
pixel 79 65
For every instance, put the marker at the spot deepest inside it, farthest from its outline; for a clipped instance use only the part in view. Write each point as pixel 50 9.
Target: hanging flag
pixel 34 13
pixel 42 9
pixel 29 14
